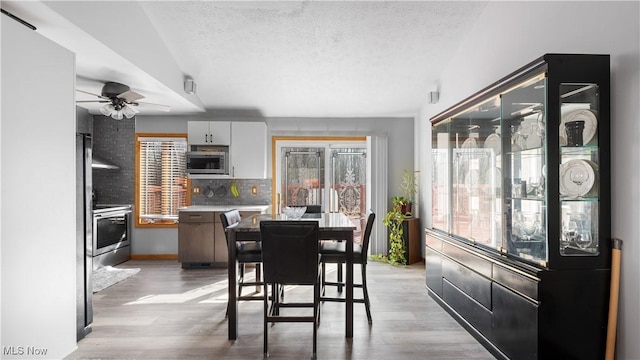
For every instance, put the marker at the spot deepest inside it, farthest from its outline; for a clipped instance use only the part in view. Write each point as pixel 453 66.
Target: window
pixel 161 179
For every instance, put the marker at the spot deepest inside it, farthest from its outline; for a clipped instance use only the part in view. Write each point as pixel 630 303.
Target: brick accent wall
pixel 114 140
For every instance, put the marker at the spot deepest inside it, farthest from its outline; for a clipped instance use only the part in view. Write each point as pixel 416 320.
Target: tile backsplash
pixel 218 192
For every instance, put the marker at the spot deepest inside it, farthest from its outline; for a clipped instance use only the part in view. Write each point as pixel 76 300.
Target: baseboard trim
pixel 154 256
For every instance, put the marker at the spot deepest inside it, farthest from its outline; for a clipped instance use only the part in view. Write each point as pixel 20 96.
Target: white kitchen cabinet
pixel 209 132
pixel 248 150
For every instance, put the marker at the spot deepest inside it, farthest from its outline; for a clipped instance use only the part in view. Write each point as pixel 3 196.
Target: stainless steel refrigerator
pixel 84 233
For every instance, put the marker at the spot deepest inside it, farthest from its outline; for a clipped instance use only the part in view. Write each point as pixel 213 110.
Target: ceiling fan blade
pixel 130 96
pixel 147 105
pixel 92 101
pixel 90 93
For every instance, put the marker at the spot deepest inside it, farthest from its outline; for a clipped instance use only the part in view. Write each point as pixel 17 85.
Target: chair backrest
pixel 290 251
pixel 229 218
pixel 311 209
pixel 367 235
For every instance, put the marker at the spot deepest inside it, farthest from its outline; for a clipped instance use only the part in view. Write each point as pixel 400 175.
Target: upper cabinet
pixel 248 150
pixel 209 132
pixel 247 143
pixel 521 169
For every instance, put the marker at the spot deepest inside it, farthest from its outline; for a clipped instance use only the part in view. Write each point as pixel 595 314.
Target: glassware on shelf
pixel 540 131
pixel 527 223
pixel 523 133
pixel 578 177
pixel 530 223
pixel 576 232
pixel 537 186
pixel 515 138
pixel 519 189
pixel 584 239
pixel 569 233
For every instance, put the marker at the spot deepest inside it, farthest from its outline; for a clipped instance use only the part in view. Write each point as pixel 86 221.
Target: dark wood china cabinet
pixel 519 250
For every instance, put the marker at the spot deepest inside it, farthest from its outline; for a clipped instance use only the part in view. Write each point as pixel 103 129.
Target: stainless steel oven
pixel 111 234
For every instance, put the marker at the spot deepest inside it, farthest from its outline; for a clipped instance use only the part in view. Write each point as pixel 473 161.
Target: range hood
pixel 99 163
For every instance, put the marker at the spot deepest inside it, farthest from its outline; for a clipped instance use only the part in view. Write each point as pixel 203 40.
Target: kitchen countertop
pixel 220 208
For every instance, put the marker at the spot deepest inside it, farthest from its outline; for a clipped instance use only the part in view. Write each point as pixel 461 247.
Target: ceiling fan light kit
pixel 107 110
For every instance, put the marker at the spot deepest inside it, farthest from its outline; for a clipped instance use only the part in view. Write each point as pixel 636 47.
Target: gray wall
pixel 509 35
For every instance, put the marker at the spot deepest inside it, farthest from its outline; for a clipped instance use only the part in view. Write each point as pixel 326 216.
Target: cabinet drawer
pixel 471 283
pixel 517 282
pixel 433 265
pixel 472 311
pixel 433 242
pixel 470 260
pixel 195 216
pixel 515 324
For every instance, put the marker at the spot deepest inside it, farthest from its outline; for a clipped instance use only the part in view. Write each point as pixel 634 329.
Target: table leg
pixel 233 286
pixel 349 285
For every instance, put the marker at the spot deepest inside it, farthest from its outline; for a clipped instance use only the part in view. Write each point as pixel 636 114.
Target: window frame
pixel 137 207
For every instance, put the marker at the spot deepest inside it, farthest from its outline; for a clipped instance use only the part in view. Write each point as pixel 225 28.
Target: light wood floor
pixel 165 312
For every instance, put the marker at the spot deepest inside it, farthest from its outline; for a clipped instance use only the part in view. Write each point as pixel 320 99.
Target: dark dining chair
pixel 334 252
pixel 311 209
pixel 290 257
pixel 249 252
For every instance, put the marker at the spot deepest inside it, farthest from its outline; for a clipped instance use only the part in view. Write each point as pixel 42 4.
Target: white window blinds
pixel 162 179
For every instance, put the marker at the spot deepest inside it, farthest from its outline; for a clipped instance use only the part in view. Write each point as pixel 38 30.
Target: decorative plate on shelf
pixel 470 143
pixel 577 178
pixel 590 125
pixel 493 177
pixel 493 142
pixel 534 136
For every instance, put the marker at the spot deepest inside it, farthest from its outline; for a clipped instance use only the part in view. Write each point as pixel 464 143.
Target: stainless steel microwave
pixel 208 160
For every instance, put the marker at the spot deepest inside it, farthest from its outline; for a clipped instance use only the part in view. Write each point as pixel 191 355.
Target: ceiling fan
pixel 120 101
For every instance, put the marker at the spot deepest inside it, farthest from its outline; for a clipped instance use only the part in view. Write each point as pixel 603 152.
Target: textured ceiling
pixel 289 58
pixel 314 58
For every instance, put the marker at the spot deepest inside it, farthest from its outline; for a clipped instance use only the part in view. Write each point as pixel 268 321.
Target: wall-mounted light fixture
pixel 190 86
pixel 433 97
pixel 254 190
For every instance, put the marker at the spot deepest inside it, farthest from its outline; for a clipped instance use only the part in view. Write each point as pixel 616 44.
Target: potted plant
pixel 393 221
pixel 409 188
pixel 402 206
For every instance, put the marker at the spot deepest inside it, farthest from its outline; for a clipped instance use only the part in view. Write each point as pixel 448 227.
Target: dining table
pixel 332 226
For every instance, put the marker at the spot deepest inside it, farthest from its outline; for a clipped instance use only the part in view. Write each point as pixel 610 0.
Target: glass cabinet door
pixel 578 176
pixel 440 177
pixel 524 121
pixel 467 155
pixel 521 168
